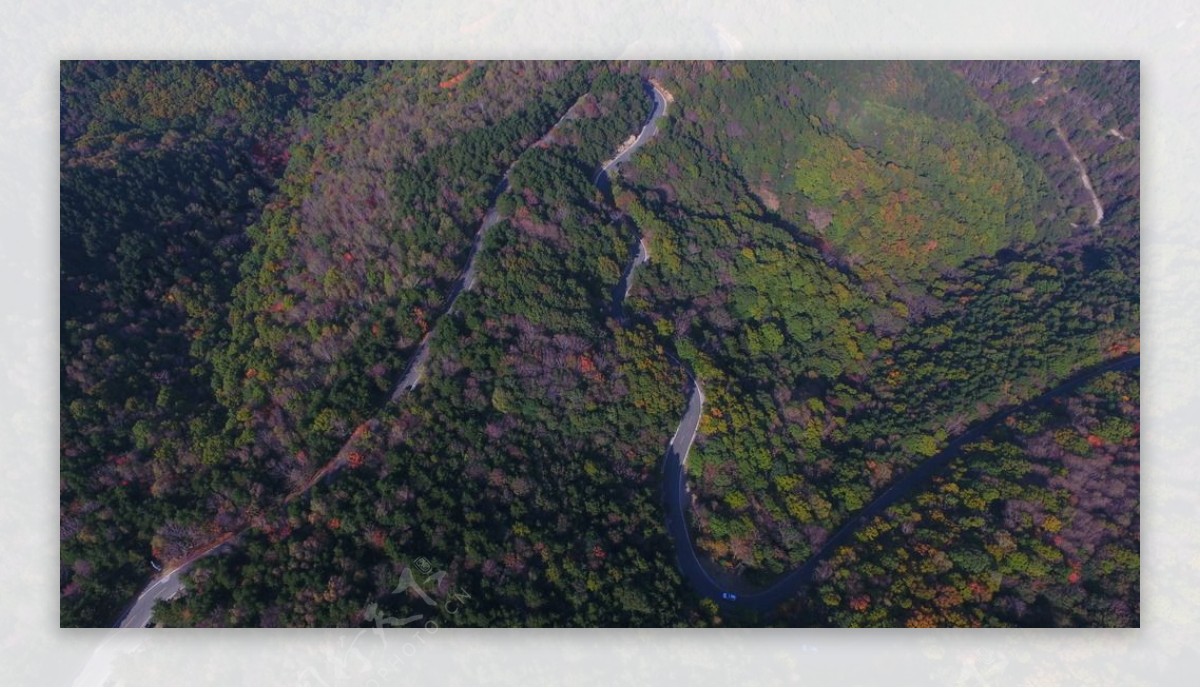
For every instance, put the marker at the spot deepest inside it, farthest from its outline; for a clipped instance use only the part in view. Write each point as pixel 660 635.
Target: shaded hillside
pixel 830 376
pixel 163 166
pixel 855 260
pixel 523 469
pixel 1035 525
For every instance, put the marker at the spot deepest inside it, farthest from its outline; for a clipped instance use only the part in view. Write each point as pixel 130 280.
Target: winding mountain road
pixel 792 583
pixel 649 131
pixel 621 291
pixel 677 496
pixel 164 587
pixel 167 584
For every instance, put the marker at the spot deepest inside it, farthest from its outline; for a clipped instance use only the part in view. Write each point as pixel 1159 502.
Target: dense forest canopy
pixel 857 261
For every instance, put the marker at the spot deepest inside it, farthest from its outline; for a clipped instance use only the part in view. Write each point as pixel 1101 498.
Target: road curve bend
pixel 677 496
pixel 792 583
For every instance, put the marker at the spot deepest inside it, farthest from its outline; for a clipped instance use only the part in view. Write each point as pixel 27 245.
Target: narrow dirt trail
pixel 1083 175
pixel 166 584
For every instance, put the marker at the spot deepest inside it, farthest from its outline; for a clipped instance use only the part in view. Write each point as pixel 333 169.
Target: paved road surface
pixel 678 497
pixel 621 291
pixel 164 587
pixel 648 132
pixel 674 478
pixel 161 589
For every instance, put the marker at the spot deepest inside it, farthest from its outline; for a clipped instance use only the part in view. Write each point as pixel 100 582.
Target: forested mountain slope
pixel 858 261
pixel 163 167
pixel 825 384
